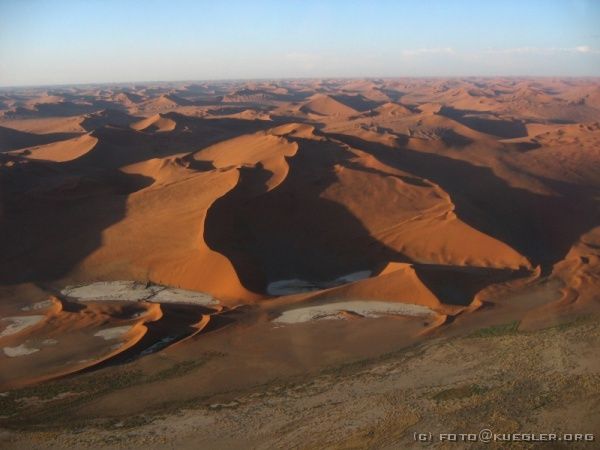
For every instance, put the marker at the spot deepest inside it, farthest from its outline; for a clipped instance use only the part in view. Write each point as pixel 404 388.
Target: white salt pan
pixel 20 350
pixel 112 333
pixel 18 324
pixel 363 308
pixel 135 291
pixel 297 286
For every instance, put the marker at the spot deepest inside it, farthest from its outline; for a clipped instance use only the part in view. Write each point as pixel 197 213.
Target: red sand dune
pixel 326 106
pixel 438 193
pixel 156 122
pixel 60 151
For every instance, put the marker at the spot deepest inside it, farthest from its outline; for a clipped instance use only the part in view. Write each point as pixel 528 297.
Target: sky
pixel 44 42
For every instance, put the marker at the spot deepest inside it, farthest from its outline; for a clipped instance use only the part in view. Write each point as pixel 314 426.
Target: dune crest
pixel 157 122
pixel 141 218
pixel 61 151
pixel 264 149
pixel 325 105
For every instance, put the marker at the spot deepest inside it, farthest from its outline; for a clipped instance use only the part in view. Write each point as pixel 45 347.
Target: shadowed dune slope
pixel 325 217
pixel 179 256
pixel 230 187
pixel 201 238
pixel 540 227
pixel 14 139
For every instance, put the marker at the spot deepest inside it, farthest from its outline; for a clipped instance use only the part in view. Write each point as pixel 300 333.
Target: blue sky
pixel 68 41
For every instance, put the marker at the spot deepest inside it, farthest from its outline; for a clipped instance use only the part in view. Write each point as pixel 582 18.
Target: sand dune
pixel 326 106
pixel 264 149
pixel 180 257
pixel 436 201
pixel 107 117
pixel 62 150
pixel 14 139
pixel 487 123
pixel 251 96
pixel 579 271
pixel 392 109
pixel 46 125
pixel 156 123
pixel 110 321
pixel 163 102
pixel 128 98
pixel 415 209
pixel 78 341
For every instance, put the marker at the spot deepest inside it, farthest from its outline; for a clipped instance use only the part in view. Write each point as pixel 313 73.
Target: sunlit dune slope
pixel 326 106
pixel 264 148
pixel 62 150
pixel 420 222
pixel 179 256
pixel 11 139
pixel 255 190
pixel 157 123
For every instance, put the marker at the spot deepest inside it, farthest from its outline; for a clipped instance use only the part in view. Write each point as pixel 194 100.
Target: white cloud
pixel 543 50
pixel 424 51
pixel 517 50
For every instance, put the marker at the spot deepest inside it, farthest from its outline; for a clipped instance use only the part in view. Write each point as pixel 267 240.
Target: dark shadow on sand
pixel 291 231
pixel 541 227
pixel 51 218
pixel 482 122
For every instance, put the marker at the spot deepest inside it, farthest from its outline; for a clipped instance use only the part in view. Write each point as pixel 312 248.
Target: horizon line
pixel 232 80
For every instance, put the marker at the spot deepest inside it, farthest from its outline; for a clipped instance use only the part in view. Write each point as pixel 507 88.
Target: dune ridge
pixel 469 199
pixel 157 122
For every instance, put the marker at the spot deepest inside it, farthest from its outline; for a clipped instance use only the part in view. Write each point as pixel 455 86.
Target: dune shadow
pixel 540 227
pixel 110 117
pixel 178 323
pixel 60 109
pixel 482 122
pixel 118 147
pixel 11 139
pixel 292 231
pixel 393 94
pixel 453 139
pixel 52 215
pixel 524 147
pixel 459 285
pixel 51 218
pixel 357 101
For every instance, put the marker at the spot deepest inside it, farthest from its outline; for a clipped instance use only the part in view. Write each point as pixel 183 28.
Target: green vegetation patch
pixel 46 403
pixel 497 330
